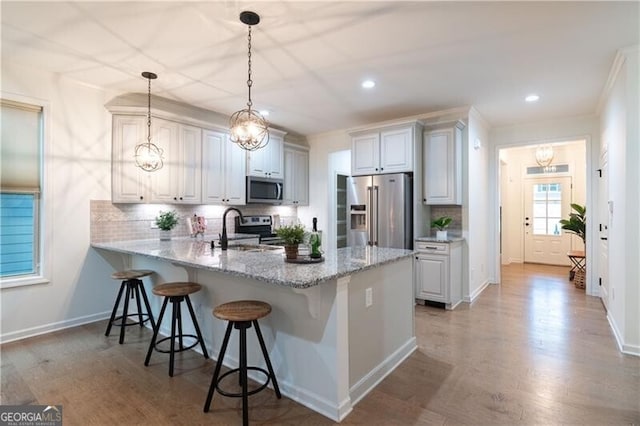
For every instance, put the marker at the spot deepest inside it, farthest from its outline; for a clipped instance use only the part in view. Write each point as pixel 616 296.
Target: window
pixel 547 208
pixel 20 183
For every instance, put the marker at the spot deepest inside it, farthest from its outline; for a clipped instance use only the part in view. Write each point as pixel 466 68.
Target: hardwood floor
pixel 532 350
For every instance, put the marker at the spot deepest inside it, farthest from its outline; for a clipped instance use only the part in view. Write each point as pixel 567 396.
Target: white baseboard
pixel 476 293
pixel 50 328
pixel 375 376
pixel 624 348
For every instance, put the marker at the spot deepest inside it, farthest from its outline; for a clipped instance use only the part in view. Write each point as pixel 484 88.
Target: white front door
pixel 546 201
pixel 605 217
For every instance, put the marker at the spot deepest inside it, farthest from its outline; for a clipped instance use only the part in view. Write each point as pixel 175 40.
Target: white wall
pixel 511 191
pixel 475 212
pixel 80 289
pixel 619 124
pixel 321 186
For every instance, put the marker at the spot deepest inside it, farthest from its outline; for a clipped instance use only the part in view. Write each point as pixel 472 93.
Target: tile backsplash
pixel 118 222
pixel 455 212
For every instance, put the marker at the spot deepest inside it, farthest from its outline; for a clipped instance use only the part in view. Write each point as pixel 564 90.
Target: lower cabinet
pixel 438 272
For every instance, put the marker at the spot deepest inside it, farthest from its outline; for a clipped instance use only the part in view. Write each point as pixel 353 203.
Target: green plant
pixel 291 235
pixel 441 223
pixel 577 222
pixel 167 220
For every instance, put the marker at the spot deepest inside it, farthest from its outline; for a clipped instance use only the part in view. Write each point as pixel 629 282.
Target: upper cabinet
pixel 223 170
pixel 443 165
pixel 383 150
pixel 179 180
pixel 268 161
pixel 296 175
pixel 129 184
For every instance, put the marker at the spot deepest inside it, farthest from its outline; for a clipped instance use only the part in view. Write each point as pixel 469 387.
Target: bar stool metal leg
pixel 147 305
pixel 216 373
pixel 196 327
pixel 265 354
pixel 125 313
pixel 136 287
pixel 173 333
pixel 115 308
pixel 243 371
pixel 156 329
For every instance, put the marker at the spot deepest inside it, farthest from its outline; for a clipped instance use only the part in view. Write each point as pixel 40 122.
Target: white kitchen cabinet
pixel 223 170
pixel 179 180
pixel 387 150
pixel 442 164
pixel 268 161
pixel 296 176
pixel 438 272
pixel 129 183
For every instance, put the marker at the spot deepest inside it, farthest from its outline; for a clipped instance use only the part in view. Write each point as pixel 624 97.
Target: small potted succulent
pixel 166 221
pixel 291 236
pixel 441 224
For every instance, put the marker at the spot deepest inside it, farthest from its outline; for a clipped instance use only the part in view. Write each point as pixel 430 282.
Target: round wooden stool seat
pixel 176 289
pixel 242 310
pixel 131 274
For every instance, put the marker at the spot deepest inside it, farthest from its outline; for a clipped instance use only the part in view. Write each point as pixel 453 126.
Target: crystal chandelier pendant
pixel 248 128
pixel 148 156
pixel 544 155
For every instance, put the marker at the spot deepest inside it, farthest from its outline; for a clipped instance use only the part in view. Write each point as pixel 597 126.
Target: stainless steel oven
pixel 264 190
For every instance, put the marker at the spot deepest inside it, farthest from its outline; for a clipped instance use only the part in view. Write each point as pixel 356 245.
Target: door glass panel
pixel 547 208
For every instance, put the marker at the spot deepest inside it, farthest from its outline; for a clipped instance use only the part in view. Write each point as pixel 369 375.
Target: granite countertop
pixel 268 266
pixel 450 239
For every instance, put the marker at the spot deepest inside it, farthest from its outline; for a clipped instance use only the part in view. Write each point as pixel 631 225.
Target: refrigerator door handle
pixel 377 209
pixel 368 216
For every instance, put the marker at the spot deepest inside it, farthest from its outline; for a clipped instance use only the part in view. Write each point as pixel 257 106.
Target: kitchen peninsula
pixel 337 327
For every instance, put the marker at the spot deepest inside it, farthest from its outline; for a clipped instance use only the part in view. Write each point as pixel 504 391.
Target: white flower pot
pixel 165 235
pixel 441 235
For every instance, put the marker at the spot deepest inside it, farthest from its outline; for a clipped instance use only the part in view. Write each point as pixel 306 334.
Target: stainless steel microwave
pixel 264 190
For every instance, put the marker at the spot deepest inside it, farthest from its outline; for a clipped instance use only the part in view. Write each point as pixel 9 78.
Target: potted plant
pixel 441 224
pixel 577 222
pixel 291 235
pixel 166 221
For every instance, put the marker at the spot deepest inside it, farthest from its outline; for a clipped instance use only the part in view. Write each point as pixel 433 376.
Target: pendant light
pixel 248 128
pixel 544 155
pixel 148 155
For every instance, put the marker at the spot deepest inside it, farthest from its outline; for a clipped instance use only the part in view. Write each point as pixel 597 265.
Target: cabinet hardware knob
pixel 180 198
pixel 381 168
pixel 424 200
pixel 141 197
pixel 175 198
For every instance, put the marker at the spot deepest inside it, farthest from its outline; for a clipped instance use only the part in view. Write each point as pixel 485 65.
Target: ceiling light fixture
pixel 368 84
pixel 532 98
pixel 148 156
pixel 248 128
pixel 544 155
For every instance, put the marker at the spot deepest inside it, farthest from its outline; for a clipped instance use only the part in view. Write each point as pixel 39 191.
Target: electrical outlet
pixel 368 297
pixel 153 225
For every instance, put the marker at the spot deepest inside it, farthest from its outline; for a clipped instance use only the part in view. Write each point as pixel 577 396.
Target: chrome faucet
pixel 224 241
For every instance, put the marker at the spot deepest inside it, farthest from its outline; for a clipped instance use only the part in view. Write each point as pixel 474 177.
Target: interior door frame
pixel 495 202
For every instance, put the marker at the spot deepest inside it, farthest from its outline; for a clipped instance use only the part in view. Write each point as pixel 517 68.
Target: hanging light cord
pixel 249 81
pixel 149 113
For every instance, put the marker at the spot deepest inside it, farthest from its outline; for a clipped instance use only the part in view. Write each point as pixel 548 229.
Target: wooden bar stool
pixel 134 288
pixel 242 314
pixel 176 293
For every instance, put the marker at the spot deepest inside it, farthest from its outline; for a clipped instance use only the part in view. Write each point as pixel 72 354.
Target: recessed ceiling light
pixel 264 112
pixel 368 84
pixel 532 98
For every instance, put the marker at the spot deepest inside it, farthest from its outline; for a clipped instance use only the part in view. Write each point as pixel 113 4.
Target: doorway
pixel 533 198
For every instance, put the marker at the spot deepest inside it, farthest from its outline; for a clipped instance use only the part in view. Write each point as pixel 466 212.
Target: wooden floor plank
pixel 533 350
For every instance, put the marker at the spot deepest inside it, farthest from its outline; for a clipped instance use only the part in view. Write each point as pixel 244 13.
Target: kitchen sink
pixel 253 247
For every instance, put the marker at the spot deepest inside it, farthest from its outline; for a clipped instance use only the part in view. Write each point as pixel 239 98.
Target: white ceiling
pixel 310 57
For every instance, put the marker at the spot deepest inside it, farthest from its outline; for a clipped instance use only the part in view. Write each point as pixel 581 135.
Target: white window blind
pixel 20 177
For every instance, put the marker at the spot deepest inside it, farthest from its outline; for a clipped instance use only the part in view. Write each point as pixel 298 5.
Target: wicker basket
pixel 579 279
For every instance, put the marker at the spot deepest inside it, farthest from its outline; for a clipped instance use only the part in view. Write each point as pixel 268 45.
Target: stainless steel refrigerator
pixel 380 211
